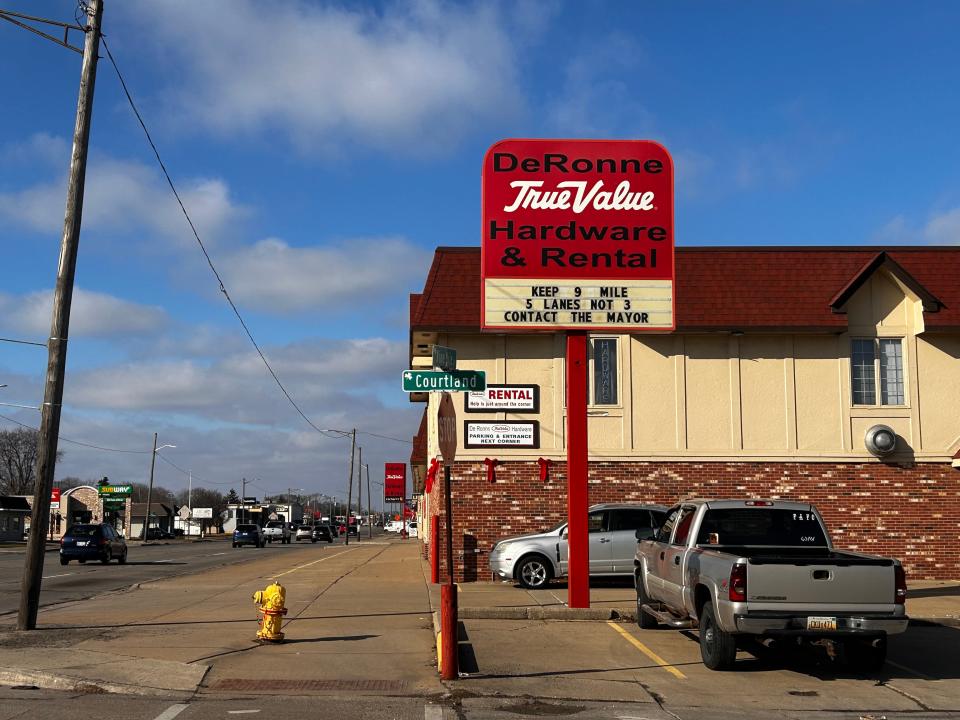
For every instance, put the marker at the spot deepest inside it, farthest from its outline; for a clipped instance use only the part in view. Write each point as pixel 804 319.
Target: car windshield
pixel 84 530
pixel 763 527
pixel 246 528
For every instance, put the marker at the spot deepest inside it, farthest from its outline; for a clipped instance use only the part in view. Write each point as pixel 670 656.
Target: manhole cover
pixel 310 685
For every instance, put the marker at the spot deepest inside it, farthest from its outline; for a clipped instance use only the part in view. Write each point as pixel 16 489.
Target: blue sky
pixel 326 149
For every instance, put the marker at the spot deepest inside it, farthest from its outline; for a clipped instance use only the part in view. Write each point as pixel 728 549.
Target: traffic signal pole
pixel 59 329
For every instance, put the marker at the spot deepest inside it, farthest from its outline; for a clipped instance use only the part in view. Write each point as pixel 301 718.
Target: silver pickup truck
pixel 765 568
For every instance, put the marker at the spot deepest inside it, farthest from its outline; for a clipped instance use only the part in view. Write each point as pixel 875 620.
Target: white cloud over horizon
pixel 941 228
pixel 274 277
pixel 421 71
pixel 92 314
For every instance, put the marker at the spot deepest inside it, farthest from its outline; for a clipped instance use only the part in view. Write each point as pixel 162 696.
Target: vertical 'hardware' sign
pixel 577 235
pixel 394 482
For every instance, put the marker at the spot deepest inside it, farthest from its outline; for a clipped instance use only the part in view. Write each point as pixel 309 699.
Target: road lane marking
pixel 648 652
pixel 49 577
pixel 214 555
pixel 300 567
pixel 241 712
pixel 171 712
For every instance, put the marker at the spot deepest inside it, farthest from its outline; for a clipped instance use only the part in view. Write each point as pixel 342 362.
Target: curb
pixel 621 614
pixel 52 681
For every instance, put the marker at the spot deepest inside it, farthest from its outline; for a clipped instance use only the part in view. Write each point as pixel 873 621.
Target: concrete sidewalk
pixel 928 601
pixel 358 621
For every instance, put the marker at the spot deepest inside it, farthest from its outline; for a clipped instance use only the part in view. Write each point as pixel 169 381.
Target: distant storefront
pixel 13 511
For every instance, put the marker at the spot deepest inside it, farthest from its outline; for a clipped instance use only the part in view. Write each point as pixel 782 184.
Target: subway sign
pixel 577 235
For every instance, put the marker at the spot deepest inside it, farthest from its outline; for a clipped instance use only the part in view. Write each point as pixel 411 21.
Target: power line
pixel 384 437
pixel 190 473
pixel 22 342
pixel 196 235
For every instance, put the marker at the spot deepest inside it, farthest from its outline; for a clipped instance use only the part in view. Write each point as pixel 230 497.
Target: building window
pixel 604 352
pixel 876 363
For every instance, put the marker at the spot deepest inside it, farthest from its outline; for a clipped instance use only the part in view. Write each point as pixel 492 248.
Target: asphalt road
pixel 62 583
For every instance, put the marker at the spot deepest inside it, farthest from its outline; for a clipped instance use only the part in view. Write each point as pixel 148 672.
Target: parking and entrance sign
pixel 577 234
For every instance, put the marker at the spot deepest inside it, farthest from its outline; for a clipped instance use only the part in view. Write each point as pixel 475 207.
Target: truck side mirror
pixel 645 534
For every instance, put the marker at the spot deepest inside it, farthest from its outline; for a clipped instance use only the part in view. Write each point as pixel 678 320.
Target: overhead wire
pixel 77 442
pixel 196 235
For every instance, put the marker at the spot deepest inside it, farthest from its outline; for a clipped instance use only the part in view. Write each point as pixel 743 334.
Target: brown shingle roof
pixel 418 456
pixel 728 288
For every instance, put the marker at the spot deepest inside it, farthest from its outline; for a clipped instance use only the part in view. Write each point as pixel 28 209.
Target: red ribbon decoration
pixel 431 475
pixel 544 469
pixel 491 464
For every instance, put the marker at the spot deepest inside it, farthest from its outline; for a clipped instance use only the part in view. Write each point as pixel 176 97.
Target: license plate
pixel 83 543
pixel 821 623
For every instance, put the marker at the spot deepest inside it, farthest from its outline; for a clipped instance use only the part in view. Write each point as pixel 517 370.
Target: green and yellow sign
pixel 117 491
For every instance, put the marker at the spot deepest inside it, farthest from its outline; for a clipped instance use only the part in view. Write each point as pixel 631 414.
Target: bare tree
pixel 18 460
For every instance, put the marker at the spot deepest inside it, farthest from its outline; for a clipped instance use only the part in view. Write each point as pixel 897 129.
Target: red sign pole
pixel 578 548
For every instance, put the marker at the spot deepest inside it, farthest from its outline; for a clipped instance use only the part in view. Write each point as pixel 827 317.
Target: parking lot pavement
pixel 595 661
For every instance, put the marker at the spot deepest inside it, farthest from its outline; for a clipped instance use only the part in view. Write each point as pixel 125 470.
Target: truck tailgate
pixel 866 586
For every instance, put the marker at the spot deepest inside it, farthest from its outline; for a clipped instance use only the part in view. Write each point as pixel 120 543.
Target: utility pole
pixel 369 507
pixel 359 492
pixel 59 329
pixel 243 500
pixel 153 462
pixel 353 447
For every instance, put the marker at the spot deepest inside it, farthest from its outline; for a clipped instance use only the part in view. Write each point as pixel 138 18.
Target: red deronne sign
pixel 395 482
pixel 577 234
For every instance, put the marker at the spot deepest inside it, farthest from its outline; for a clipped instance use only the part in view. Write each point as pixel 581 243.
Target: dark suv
pixel 92 542
pixel 248 535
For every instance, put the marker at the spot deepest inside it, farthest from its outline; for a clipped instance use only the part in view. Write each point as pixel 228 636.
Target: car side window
pixel 663 534
pixel 683 526
pixel 108 532
pixel 632 519
pixel 595 522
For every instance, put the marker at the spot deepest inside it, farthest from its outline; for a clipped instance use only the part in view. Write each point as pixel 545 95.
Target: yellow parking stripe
pixel 648 652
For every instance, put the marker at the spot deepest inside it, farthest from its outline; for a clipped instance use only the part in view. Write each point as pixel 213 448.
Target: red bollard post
pixel 449 663
pixel 435 549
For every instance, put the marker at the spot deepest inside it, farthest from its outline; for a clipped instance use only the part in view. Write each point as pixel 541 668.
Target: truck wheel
pixel 718 649
pixel 534 572
pixel 64 561
pixel 864 655
pixel 123 558
pixel 645 620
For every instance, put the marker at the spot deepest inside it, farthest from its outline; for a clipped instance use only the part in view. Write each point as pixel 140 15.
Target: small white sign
pixel 483 434
pixel 54 505
pixel 202 513
pixel 509 398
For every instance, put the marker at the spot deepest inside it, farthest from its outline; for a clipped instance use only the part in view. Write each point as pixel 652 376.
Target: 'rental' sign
pixel 577 235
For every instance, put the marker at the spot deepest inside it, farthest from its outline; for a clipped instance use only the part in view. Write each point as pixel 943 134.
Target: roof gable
pixel 882 261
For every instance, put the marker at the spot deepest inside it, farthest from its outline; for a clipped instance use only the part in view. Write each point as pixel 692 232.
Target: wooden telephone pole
pixel 59 329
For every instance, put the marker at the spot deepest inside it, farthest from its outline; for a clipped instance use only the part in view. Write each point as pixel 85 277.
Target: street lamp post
pixel 153 462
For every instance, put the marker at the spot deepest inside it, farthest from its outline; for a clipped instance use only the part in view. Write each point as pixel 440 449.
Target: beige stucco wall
pixel 721 395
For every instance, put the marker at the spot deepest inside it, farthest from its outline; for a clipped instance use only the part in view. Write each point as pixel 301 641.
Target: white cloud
pixel 940 229
pixel 424 72
pixel 124 196
pixel 92 314
pixel 237 388
pixel 275 277
pixel 42 148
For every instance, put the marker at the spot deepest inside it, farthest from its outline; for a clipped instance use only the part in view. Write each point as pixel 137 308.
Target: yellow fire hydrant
pixel 272 607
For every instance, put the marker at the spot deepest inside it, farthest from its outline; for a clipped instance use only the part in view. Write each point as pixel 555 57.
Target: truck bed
pixel 798 556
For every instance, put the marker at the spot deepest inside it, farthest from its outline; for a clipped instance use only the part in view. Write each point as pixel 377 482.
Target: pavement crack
pixel 904 693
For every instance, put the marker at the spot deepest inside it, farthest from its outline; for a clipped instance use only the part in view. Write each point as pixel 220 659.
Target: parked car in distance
pixel 323 532
pixel 277 530
pixel 92 542
pixel 304 532
pixel 249 535
pixel 766 569
pixel 394 526
pixel 533 560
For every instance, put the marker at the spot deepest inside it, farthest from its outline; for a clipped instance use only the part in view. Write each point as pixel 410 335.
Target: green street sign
pixel 439 381
pixel 114 503
pixel 444 358
pixel 120 491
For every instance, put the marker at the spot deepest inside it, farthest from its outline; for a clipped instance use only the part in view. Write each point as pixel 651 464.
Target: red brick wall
pixel 910 512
